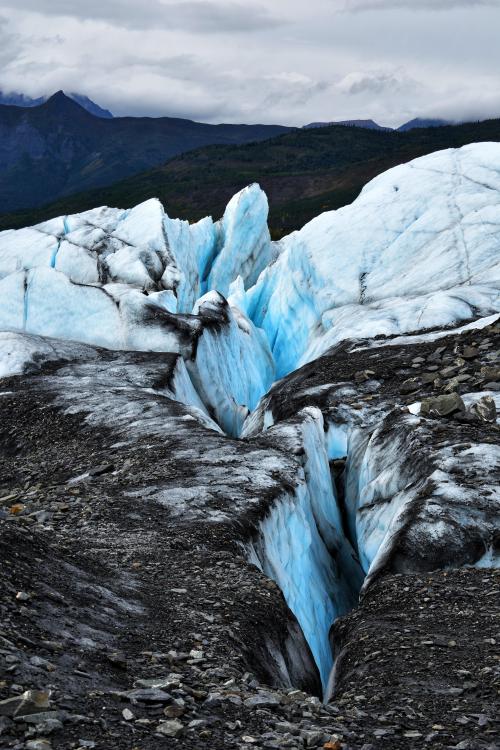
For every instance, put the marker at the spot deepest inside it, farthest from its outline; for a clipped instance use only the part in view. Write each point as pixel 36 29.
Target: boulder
pixel 30 702
pixel 410 385
pixel 442 406
pixel 484 410
pixel 170 728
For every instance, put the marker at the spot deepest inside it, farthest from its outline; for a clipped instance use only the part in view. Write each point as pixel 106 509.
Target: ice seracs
pixel 246 248
pixel 136 279
pixel 365 486
pixel 147 250
pixel 419 248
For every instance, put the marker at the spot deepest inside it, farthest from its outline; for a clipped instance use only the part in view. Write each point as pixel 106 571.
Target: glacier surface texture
pixel 418 251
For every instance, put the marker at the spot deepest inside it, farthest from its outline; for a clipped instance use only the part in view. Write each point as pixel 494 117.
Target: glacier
pixel 418 249
pixel 301 543
pixel 414 257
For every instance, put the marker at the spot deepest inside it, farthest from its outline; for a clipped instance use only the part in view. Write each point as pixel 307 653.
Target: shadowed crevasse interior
pixel 133 280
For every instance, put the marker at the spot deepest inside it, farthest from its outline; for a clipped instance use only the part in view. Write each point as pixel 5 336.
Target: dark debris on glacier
pixel 442 501
pixel 127 594
pixel 165 584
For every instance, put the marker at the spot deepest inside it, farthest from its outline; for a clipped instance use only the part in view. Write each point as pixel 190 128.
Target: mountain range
pixel 424 122
pixel 58 147
pixel 22 100
pixel 417 122
pixel 303 172
pixel 368 124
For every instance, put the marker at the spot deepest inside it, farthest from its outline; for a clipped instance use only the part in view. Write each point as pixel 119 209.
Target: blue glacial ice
pixel 301 543
pixel 419 249
pixel 246 247
pixel 232 366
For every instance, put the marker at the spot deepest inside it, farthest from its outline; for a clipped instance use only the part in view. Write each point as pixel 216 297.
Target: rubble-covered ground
pixel 195 554
pixel 128 599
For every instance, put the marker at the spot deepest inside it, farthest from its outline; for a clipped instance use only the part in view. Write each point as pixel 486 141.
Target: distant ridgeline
pixel 70 161
pixel 418 122
pixel 21 100
pixel 58 147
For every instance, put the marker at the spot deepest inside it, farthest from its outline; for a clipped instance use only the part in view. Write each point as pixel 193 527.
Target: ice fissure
pixel 240 311
pixel 26 284
pixel 301 543
pixel 316 542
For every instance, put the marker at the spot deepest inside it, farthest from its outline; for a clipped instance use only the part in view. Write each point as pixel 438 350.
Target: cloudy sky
pixel 285 61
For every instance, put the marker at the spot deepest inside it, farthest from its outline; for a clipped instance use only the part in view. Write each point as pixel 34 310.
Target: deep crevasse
pixel 405 507
pixel 301 543
pixel 387 264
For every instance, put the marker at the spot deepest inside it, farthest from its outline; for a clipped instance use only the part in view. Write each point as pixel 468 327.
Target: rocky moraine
pixel 249 491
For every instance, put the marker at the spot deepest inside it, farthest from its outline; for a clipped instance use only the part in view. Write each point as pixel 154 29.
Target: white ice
pixel 419 248
pixel 19 351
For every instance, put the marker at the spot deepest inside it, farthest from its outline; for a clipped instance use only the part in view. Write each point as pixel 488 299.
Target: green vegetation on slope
pixel 304 172
pixel 58 148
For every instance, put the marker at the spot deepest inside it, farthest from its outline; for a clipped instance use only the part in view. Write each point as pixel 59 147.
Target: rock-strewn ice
pixel 139 541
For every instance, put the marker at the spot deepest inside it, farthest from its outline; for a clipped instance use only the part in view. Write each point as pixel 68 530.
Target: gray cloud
pixel 10 44
pixel 183 67
pixel 382 82
pixel 292 89
pixel 271 61
pixel 198 16
pixel 204 92
pixel 355 6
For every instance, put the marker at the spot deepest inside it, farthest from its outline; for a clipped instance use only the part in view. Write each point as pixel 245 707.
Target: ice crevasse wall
pixel 139 280
pixel 419 249
pixel 302 544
